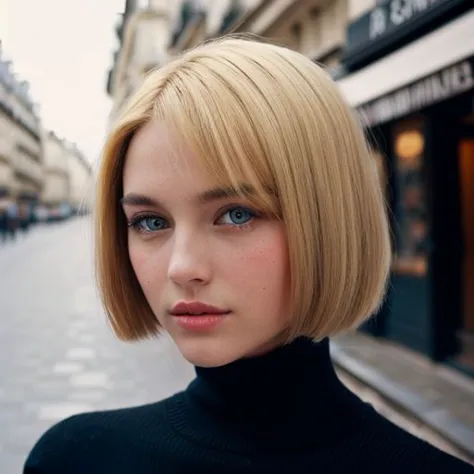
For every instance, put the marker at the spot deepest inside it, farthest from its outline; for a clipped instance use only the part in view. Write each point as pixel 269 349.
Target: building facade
pixel 56 172
pixel 407 67
pixel 143 31
pixel 21 153
pixel 37 169
pixel 150 32
pixel 81 181
pixel 68 178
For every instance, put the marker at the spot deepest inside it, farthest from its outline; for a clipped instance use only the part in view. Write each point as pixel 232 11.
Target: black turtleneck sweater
pixel 283 412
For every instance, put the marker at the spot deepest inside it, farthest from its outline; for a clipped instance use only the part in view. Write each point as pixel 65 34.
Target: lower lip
pixel 202 322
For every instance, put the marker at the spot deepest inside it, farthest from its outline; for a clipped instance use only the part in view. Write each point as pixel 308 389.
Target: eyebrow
pixel 214 194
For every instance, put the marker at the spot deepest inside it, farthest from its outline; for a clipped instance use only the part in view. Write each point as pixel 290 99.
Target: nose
pixel 189 263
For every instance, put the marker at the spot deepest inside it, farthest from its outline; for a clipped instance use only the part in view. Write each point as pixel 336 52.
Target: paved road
pixel 57 354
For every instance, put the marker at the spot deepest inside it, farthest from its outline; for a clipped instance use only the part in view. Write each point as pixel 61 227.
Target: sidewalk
pixel 434 394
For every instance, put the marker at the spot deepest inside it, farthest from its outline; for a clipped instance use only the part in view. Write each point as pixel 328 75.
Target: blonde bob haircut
pixel 272 125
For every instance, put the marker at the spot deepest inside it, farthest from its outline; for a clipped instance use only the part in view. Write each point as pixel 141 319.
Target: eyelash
pixel 135 221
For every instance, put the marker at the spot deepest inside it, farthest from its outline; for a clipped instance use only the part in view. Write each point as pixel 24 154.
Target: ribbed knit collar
pixel 290 396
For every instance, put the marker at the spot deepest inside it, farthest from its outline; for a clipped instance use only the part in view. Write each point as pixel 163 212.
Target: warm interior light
pixel 409 145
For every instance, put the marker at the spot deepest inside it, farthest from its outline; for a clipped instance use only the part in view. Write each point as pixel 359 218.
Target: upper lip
pixel 195 307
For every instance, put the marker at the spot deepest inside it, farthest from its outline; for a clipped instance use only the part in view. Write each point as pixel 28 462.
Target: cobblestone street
pixel 57 354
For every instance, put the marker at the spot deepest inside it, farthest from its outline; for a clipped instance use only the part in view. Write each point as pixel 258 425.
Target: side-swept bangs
pixel 269 123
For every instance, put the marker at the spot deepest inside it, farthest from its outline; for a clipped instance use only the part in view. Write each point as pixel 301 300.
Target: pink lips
pixel 197 316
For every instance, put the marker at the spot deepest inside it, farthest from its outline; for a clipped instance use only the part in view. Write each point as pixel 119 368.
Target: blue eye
pixel 149 224
pixel 237 216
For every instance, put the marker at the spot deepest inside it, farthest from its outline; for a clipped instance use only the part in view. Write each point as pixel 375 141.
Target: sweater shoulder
pixel 433 460
pixel 402 451
pixel 83 442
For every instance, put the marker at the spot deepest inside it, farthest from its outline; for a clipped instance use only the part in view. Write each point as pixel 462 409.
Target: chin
pixel 207 352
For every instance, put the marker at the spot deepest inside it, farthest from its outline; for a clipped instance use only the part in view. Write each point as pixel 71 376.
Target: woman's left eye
pixel 237 216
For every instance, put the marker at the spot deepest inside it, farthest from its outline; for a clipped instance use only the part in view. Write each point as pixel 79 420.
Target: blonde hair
pixel 268 117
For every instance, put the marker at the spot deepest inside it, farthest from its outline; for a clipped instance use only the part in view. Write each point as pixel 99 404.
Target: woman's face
pixel 214 270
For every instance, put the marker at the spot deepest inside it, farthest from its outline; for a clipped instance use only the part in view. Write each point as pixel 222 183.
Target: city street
pixel 57 354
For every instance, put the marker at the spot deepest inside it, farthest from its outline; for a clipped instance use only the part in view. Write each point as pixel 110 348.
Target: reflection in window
pixel 412 225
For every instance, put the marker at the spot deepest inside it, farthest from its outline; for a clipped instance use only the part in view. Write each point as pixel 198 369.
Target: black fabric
pixel 283 412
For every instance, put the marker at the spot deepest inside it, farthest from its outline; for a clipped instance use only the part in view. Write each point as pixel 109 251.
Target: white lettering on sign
pixel 440 86
pixel 378 23
pixel 398 12
pixel 403 10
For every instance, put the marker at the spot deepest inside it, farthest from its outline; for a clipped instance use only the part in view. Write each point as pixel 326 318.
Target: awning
pixel 446 45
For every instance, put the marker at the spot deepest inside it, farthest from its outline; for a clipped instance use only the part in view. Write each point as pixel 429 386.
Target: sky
pixel 64 48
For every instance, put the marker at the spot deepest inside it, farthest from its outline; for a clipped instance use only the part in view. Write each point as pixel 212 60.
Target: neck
pixel 290 395
pixel 289 372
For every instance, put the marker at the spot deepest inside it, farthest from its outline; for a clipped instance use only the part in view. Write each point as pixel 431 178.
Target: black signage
pixel 395 22
pixel 439 86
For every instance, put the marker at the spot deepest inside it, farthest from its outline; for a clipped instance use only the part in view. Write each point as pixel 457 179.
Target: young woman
pixel 239 210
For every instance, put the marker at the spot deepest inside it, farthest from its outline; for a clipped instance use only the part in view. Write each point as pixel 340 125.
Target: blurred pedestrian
pixel 12 219
pixel 3 221
pixel 239 210
pixel 24 216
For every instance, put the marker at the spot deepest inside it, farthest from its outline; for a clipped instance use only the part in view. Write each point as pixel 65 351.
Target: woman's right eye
pixel 148 223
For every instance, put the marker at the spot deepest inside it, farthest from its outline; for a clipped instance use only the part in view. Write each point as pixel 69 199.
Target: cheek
pixel 146 266
pixel 263 265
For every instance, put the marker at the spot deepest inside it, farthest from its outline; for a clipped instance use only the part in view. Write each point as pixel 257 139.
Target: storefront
pixel 418 105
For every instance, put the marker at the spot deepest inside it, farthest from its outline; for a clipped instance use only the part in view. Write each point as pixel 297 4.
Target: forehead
pixel 157 159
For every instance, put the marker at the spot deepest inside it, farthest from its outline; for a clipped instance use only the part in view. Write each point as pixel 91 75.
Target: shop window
pixel 411 210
